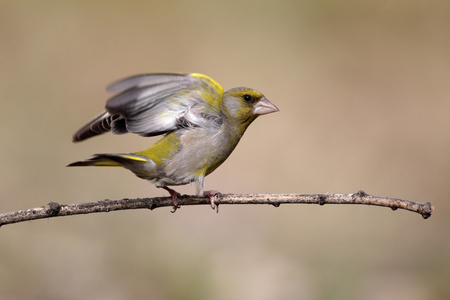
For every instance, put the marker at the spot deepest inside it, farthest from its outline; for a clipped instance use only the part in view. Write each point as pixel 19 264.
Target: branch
pixel 54 209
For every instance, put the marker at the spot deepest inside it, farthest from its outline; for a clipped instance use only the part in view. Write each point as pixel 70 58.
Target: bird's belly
pixel 199 160
pixel 201 151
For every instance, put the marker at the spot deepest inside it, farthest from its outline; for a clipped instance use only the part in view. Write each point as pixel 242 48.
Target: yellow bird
pixel 201 126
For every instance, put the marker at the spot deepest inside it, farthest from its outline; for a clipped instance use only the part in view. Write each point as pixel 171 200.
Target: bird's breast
pixel 201 151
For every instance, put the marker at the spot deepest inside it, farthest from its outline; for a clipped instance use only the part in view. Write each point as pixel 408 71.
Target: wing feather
pixel 154 104
pixel 144 80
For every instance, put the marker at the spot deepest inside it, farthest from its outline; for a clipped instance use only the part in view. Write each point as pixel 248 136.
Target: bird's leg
pixel 199 183
pixel 211 195
pixel 174 196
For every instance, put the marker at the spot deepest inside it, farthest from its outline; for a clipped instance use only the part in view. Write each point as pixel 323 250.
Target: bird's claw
pixel 174 194
pixel 211 194
pixel 175 207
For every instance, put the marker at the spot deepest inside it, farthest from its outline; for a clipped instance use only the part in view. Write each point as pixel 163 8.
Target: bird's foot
pixel 174 194
pixel 211 194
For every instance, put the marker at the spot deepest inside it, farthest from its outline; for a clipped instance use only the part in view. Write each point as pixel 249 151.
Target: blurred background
pixel 364 98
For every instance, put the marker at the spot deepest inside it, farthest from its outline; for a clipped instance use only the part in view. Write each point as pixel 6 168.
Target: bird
pixel 200 124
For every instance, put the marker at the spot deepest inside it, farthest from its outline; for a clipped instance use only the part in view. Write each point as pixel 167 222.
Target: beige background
pixel 363 92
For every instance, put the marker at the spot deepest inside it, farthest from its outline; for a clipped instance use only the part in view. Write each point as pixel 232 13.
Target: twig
pixel 54 209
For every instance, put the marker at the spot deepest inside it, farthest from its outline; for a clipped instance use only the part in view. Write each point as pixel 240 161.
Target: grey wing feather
pixel 145 80
pixel 148 105
pixel 98 125
pixel 151 109
pixel 136 99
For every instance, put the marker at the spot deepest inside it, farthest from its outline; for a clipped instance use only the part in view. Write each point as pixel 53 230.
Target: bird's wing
pixel 153 104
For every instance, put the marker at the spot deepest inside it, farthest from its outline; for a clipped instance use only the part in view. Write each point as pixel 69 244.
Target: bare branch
pixel 54 209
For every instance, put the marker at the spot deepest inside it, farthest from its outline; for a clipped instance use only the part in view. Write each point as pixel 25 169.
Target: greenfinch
pixel 200 122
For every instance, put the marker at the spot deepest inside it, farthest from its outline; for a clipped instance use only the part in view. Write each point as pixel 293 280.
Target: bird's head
pixel 243 105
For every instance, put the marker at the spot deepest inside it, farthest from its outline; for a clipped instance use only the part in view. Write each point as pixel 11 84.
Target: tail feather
pixel 95 161
pixel 110 160
pixel 140 165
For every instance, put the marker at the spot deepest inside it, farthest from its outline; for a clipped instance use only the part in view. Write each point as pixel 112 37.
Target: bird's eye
pixel 247 97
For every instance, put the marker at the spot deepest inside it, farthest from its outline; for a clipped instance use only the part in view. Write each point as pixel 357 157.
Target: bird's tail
pixel 110 160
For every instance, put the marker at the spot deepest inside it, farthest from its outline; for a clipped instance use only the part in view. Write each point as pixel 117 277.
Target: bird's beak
pixel 264 107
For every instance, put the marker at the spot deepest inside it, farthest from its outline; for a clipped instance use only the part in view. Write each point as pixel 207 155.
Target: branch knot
pixel 53 208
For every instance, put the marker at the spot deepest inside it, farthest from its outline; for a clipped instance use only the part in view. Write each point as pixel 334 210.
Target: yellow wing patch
pixel 210 82
pixel 211 90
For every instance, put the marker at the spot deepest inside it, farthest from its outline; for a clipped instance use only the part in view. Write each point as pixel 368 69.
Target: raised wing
pixel 153 104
